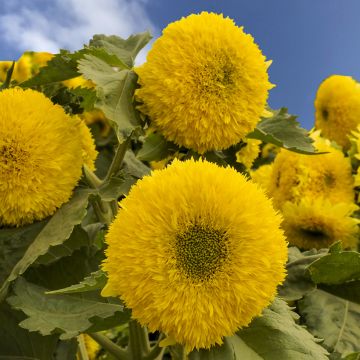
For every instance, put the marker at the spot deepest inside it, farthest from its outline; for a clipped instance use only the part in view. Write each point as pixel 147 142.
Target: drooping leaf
pixel 17 343
pixel 298 281
pixel 94 281
pixel 336 268
pixel 68 315
pixel 333 319
pixel 155 148
pixel 283 130
pixel 134 166
pixel 124 49
pixel 115 91
pixel 55 232
pixel 116 186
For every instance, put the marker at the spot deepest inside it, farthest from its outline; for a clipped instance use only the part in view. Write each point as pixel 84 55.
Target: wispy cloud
pixel 40 25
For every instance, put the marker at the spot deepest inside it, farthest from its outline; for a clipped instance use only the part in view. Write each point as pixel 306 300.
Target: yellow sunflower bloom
pixel 337 108
pixel 40 156
pixel 22 69
pixel 249 152
pixel 318 224
pixel 262 176
pixel 92 347
pixel 205 83
pixel 188 255
pixel 89 152
pixel 328 175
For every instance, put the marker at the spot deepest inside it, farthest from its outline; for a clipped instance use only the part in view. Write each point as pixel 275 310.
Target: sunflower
pixel 194 262
pixel 262 176
pixel 89 152
pixel 249 152
pixel 337 108
pixel 22 69
pixel 327 175
pixel 40 156
pixel 318 224
pixel 205 83
pixel 91 346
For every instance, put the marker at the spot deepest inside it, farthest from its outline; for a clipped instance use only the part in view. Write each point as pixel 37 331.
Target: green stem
pixel 92 180
pixel 82 348
pixel 156 351
pixel 109 346
pixel 118 159
pixel 139 345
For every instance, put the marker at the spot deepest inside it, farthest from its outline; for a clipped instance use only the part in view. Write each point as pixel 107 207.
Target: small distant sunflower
pixel 40 156
pixel 262 176
pixel 22 69
pixel 193 258
pixel 337 108
pixel 327 175
pixel 318 224
pixel 205 82
pixel 249 152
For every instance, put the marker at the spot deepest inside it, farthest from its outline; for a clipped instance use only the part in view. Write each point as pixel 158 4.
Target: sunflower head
pixel 327 175
pixel 249 152
pixel 40 156
pixel 337 108
pixel 89 152
pixel 318 223
pixel 194 262
pixel 205 82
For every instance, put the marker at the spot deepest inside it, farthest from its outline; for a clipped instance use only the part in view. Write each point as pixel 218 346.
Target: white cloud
pixel 49 26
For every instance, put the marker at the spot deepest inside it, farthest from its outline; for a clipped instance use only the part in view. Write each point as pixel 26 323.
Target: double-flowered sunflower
pixel 205 82
pixel 337 108
pixel 193 258
pixel 41 156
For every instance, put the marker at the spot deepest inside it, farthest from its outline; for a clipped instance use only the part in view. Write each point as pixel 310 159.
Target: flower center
pixel 315 234
pixel 325 114
pixel 12 157
pixel 201 251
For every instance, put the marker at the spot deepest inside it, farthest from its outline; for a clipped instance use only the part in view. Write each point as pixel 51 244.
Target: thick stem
pixel 139 345
pixel 109 346
pixel 118 159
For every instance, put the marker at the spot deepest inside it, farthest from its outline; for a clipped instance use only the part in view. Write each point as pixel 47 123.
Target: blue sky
pixel 307 40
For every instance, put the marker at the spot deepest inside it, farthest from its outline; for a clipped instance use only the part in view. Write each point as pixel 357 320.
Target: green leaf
pixel 116 186
pixel 155 148
pixel 125 50
pixel 275 335
pixel 17 343
pixel 298 281
pixel 66 350
pixel 353 356
pixel 134 166
pixel 333 319
pixel 283 130
pixel 95 281
pixel 55 232
pixel 115 91
pixel 61 67
pixel 77 239
pixel 336 268
pixel 68 315
pixel 86 96
pixel 349 290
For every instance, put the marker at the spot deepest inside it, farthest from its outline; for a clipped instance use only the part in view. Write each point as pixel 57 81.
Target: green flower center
pixel 201 251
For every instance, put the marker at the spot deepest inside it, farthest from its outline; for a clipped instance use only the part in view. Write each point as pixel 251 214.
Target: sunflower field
pixel 165 211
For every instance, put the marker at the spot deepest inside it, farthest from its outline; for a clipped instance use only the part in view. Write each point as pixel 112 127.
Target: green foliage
pixel 68 315
pixel 55 232
pixel 155 148
pixel 283 130
pixel 273 336
pixel 333 319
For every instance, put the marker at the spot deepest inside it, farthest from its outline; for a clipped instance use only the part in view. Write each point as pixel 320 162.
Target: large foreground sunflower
pixel 205 82
pixel 40 156
pixel 318 224
pixel 337 108
pixel 194 258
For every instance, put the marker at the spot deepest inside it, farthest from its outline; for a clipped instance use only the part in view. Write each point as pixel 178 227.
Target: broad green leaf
pixel 13 244
pixel 17 343
pixel 115 91
pixel 68 315
pixel 86 96
pixel 55 232
pixel 353 356
pixel 61 67
pixel 77 239
pixel 275 336
pixel 124 49
pixel 155 148
pixel 298 281
pixel 134 166
pixel 333 319
pixel 349 290
pixel 116 186
pixel 95 281
pixel 283 130
pixel 336 268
